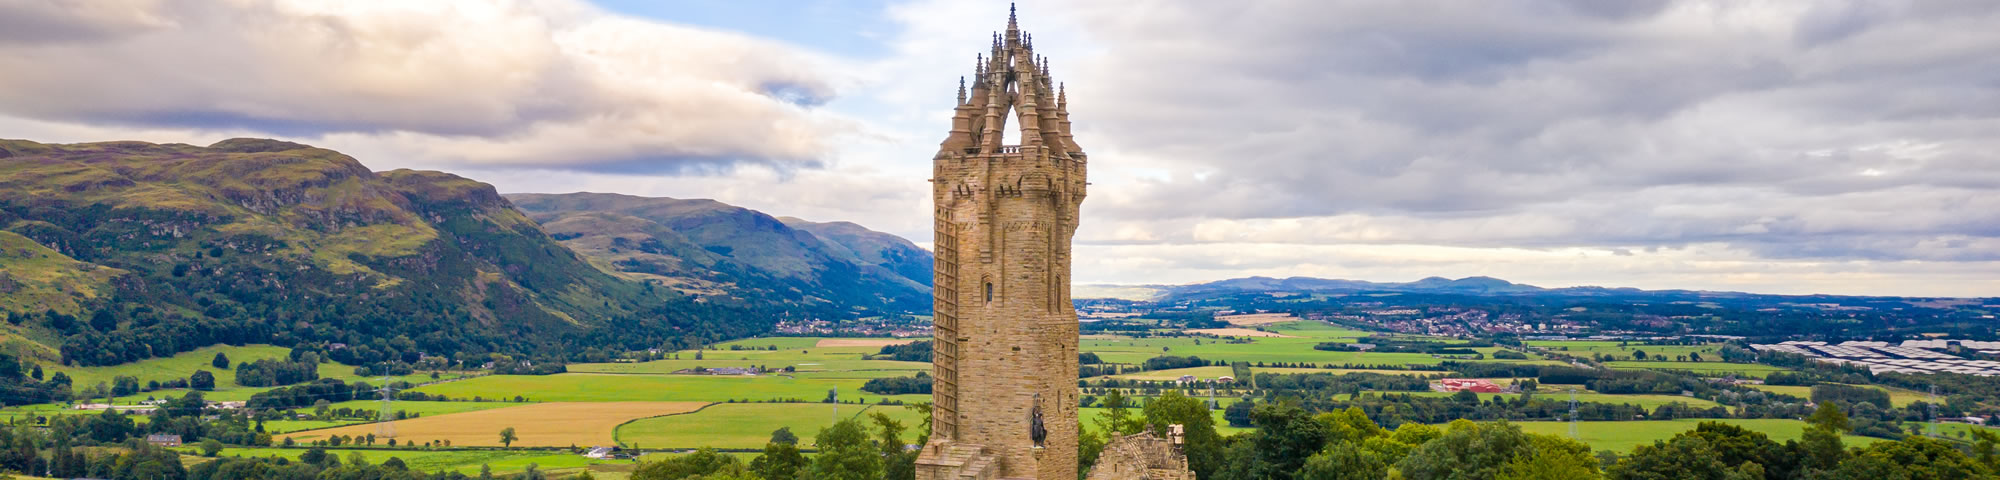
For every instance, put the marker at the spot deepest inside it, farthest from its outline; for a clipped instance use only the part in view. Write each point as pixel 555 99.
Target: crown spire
pixel 1011 25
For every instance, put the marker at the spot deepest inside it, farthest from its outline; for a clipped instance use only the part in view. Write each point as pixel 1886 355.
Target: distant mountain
pixel 705 247
pixel 1440 285
pixel 890 252
pixel 117 251
pixel 1468 285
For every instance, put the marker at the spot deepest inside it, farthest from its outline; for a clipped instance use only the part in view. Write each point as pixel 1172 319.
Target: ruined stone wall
pixel 1140 457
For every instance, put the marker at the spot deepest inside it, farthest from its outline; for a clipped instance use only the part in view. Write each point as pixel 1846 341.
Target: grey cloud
pixel 1798 130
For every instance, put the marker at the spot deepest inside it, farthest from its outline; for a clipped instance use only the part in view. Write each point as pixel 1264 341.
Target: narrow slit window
pixel 989 292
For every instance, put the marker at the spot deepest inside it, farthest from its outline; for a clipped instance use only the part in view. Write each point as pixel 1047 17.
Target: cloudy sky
pixel 1785 147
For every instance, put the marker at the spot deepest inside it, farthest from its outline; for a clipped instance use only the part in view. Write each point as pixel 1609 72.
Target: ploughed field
pixel 664 405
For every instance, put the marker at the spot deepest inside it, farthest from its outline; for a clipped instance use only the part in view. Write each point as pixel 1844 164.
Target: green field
pixel 1746 370
pixel 1648 401
pixel 464 461
pixel 423 408
pixel 749 425
pixel 1624 436
pixel 185 364
pixel 1264 350
pixel 1897 396
pixel 179 366
pixel 1089 417
pixel 1203 373
pixel 1586 348
pixel 591 387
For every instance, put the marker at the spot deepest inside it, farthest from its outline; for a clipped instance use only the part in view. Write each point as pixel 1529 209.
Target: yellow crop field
pixel 1253 319
pixel 554 424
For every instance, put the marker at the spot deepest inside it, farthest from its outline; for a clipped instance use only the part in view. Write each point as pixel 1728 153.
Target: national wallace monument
pixel 1005 359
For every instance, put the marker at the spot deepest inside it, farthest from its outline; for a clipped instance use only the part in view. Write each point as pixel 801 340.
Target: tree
pixel 1117 416
pixel 104 320
pixel 1345 461
pixel 1286 437
pixel 1203 445
pixel 1983 446
pixel 1639 354
pixel 1713 450
pixel 1911 458
pixel 1089 446
pixel 201 380
pixel 784 435
pixel 845 454
pixel 1829 417
pixel 507 437
pixel 1552 458
pixel 702 463
pixel 315 456
pixel 210 447
pixel 898 463
pixel 1467 450
pixel 221 361
pixel 1820 447
pixel 1238 414
pixel 780 461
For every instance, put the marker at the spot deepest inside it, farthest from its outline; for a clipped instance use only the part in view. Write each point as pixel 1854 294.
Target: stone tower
pixel 1005 364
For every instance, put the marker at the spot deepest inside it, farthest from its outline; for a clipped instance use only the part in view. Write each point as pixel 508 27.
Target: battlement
pixel 1017 152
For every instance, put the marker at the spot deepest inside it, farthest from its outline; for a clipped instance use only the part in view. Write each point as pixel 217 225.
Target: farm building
pixel 164 440
pixel 1466 385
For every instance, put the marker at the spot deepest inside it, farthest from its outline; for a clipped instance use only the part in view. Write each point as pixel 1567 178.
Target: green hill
pixel 870 247
pixel 709 248
pixel 119 251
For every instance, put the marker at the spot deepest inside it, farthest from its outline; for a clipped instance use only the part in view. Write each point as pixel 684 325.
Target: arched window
pixel 989 292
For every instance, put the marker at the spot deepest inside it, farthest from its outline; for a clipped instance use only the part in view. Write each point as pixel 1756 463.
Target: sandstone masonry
pixel 1005 398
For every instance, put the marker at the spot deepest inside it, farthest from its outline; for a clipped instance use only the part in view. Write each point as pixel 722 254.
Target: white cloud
pixel 551 83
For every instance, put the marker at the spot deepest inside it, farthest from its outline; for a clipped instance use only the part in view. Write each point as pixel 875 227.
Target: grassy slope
pixel 326 211
pixel 38 278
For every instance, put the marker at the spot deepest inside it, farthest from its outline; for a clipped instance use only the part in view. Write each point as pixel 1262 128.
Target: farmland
pixel 1748 370
pixel 660 405
pixel 555 424
pixel 749 425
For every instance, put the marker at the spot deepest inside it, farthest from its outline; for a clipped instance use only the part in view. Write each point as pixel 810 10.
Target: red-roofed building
pixel 1466 384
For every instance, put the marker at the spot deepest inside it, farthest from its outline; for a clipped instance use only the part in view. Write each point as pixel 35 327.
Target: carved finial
pixel 978 64
pixel 1062 94
pixel 1011 26
pixel 961 90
